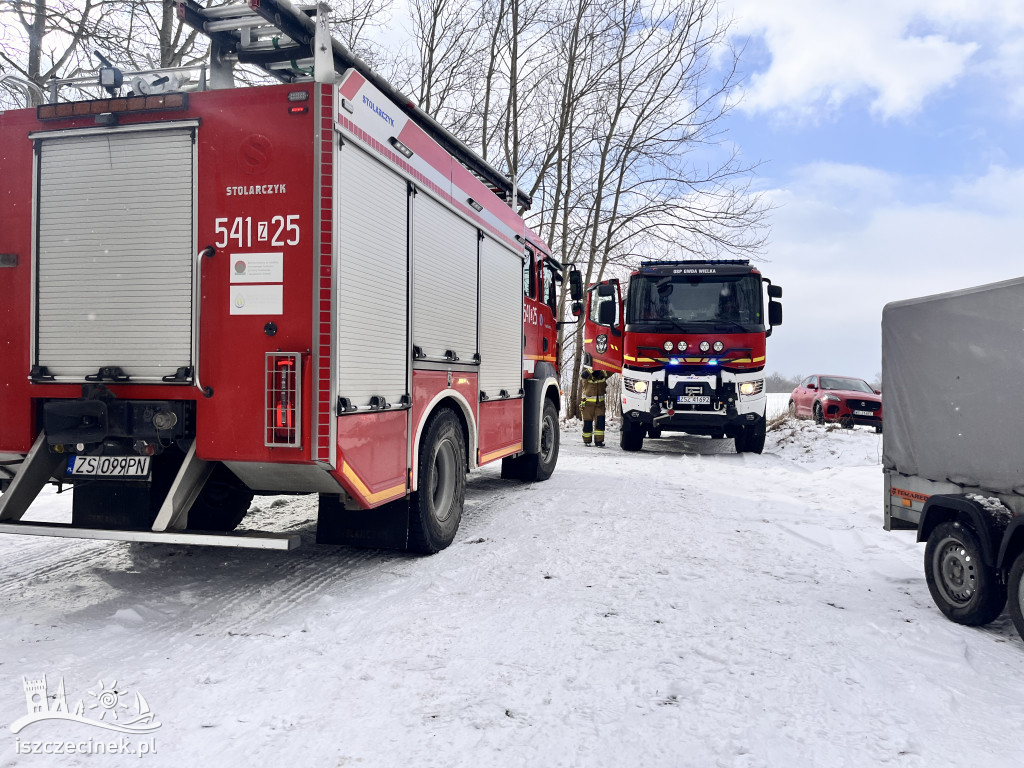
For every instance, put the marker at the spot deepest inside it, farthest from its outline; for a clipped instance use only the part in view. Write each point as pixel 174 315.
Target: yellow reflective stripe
pixel 360 486
pixel 486 457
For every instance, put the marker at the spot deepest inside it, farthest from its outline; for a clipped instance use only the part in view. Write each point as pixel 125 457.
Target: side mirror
pixel 775 291
pixel 577 309
pixel 575 284
pixel 606 313
pixel 606 289
pixel 774 312
pixel 812 386
pixel 878 391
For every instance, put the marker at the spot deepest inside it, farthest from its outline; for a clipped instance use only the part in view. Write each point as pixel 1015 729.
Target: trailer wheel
pixel 435 509
pixel 819 415
pixel 1016 601
pixel 965 589
pixel 631 438
pixel 222 504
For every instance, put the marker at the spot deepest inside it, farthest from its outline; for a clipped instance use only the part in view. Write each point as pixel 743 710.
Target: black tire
pixel 819 415
pixel 537 467
pixel 1016 590
pixel 435 509
pixel 791 408
pixel 751 439
pixel 965 589
pixel 631 438
pixel 222 504
pixel 654 432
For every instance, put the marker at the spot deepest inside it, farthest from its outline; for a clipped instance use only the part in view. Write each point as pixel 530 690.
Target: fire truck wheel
pixel 539 466
pixel 751 439
pixel 436 507
pixel 965 589
pixel 1016 584
pixel 631 438
pixel 221 504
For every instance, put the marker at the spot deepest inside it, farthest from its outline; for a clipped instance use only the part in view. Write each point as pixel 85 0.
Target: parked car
pixel 841 399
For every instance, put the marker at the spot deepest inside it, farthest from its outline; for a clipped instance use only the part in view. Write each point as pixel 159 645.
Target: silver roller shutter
pixel 501 319
pixel 115 252
pixel 444 271
pixel 373 347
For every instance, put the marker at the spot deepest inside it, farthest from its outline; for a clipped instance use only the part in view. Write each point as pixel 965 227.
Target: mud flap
pixel 115 504
pixel 383 527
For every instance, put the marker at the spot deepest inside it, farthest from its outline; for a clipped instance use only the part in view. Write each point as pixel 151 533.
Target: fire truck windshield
pixel 726 303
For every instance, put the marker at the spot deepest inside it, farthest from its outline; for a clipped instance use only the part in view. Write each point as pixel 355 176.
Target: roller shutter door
pixel 445 287
pixel 115 253
pixel 373 347
pixel 501 319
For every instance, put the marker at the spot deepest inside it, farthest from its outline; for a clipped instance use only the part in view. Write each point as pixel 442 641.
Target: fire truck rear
pixel 689 340
pixel 310 287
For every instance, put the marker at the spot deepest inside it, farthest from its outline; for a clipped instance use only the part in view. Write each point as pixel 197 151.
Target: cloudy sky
pixel 891 135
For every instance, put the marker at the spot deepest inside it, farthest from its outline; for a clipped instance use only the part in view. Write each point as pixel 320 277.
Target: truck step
pixel 237 539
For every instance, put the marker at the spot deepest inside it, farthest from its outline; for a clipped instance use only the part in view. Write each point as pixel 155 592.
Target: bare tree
pixel 46 38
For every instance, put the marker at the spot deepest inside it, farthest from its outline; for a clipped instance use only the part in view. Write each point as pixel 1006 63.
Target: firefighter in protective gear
pixel 592 406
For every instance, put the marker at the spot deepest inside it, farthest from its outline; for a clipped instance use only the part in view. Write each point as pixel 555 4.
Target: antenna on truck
pixel 280 38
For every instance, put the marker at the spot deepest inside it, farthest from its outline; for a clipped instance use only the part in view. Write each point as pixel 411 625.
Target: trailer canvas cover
pixel 952 366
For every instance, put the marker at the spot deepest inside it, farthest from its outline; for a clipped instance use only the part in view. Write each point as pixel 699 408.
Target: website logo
pixel 107 707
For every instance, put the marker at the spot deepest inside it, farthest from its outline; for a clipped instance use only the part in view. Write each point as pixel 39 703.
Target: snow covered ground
pixel 685 606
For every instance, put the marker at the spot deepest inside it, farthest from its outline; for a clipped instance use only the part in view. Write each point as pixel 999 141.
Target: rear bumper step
pixel 237 539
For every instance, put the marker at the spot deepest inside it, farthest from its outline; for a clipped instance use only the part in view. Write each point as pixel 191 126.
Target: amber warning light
pixel 156 103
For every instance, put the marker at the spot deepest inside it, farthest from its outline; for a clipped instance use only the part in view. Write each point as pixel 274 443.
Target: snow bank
pixel 684 606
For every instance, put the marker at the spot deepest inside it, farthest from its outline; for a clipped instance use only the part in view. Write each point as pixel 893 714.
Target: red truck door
pixel 602 330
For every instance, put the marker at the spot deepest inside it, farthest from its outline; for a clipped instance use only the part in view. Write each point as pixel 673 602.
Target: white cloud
pixel 894 53
pixel 841 256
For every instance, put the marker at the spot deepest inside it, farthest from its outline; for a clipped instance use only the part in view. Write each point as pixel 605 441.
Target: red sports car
pixel 842 399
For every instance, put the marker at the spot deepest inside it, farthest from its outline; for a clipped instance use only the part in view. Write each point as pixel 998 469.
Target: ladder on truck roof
pixel 280 38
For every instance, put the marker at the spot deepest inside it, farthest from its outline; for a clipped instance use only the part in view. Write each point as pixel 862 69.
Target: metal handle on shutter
pixel 197 302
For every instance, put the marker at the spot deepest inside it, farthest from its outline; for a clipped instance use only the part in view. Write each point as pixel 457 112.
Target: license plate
pixel 694 400
pixel 109 466
pixel 863 413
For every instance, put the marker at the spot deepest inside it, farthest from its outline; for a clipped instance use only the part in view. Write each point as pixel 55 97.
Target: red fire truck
pixel 689 341
pixel 310 287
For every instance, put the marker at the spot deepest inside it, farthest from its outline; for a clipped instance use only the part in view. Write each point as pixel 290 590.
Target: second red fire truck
pixel 689 340
pixel 311 287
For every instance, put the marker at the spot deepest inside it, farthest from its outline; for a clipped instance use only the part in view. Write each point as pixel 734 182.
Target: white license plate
pixel 863 413
pixel 694 400
pixel 109 466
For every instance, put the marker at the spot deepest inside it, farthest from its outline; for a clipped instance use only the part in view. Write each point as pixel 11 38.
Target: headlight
pixel 667 346
pixel 637 386
pixel 719 346
pixel 749 388
pixel 705 346
pixel 832 398
pixel 681 346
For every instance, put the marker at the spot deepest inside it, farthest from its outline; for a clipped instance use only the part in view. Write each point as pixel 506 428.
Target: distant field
pixel 777 403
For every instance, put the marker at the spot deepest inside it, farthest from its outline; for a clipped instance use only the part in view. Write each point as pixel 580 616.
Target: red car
pixel 842 399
